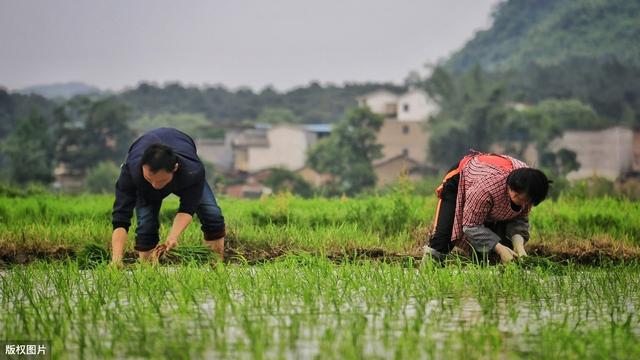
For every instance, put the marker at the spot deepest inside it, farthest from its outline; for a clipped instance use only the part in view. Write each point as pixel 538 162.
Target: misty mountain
pixel 549 32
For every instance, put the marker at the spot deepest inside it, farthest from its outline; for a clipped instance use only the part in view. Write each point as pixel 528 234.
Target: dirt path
pixel 594 252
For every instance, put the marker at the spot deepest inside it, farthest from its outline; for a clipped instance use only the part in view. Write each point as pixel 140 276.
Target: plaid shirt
pixel 483 195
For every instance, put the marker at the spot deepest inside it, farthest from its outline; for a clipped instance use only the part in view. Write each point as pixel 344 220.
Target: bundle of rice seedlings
pixel 92 255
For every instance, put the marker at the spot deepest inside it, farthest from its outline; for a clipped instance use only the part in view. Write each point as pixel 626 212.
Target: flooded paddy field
pixel 320 278
pixel 310 307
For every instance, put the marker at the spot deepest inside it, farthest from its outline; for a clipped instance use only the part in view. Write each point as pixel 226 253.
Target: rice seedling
pixel 300 282
pixel 394 223
pixel 307 306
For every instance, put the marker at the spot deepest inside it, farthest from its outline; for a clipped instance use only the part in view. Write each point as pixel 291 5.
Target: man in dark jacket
pixel 162 162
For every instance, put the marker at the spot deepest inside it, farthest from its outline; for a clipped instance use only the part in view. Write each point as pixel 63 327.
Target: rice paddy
pixel 321 278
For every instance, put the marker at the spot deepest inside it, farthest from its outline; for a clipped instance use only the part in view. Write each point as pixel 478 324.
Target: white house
pixel 282 146
pixel 402 133
pixel 415 105
pixel 218 151
pixel 403 138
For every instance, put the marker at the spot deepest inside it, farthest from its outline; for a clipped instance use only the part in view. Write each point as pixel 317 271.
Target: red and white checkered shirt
pixel 483 195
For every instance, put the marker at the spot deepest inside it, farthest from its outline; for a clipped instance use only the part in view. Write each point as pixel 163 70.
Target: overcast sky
pixel 284 43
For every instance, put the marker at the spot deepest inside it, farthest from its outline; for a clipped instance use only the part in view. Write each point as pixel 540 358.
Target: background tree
pixel 349 151
pixel 13 108
pixel 101 179
pixel 311 103
pixel 272 115
pixel 92 131
pixel 280 180
pixel 471 110
pixel 195 125
pixel 29 149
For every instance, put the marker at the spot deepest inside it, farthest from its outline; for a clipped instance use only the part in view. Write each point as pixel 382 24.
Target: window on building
pixel 405 129
pixel 405 152
pixel 405 107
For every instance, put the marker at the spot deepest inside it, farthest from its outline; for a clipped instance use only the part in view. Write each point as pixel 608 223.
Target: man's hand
pixel 518 245
pixel 118 265
pixel 505 253
pixel 118 241
pixel 171 243
pixel 179 224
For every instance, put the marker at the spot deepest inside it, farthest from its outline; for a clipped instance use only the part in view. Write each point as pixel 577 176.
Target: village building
pixel 403 135
pixel 607 153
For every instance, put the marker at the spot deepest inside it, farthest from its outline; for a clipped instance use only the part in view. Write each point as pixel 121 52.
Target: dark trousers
pixel 441 238
pixel 209 213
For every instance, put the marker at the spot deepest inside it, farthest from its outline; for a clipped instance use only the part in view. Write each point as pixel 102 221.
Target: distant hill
pixel 61 90
pixel 548 32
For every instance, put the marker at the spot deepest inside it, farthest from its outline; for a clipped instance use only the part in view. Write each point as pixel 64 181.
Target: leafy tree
pixel 413 79
pixel 29 149
pixel 559 163
pixel 313 103
pixel 102 178
pixel 92 131
pixel 271 115
pixel 471 109
pixel 280 180
pixel 542 123
pixel 195 125
pixel 476 112
pixel 349 151
pixel 215 179
pixel 14 107
pixel 562 49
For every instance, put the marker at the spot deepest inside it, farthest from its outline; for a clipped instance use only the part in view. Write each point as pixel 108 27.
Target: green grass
pixel 396 223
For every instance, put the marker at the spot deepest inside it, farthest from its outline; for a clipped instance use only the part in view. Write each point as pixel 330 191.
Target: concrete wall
pixel 415 105
pixel 287 149
pixel 218 151
pixel 607 153
pixel 396 136
pixel 314 178
pixel 388 172
pixel 635 163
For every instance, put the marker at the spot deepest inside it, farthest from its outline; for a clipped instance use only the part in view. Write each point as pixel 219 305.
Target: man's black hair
pixel 532 182
pixel 159 157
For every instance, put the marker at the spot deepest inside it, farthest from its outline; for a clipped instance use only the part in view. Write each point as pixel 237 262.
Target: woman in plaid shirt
pixel 484 206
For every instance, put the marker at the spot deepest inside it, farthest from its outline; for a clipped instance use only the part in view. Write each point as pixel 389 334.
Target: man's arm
pixel 118 241
pixel 122 211
pixel 180 222
pixel 190 198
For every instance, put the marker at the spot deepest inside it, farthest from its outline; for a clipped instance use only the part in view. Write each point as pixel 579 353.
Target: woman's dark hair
pixel 532 182
pixel 159 157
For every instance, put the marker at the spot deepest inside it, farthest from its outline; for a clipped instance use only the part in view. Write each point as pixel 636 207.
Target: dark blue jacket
pixel 133 190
